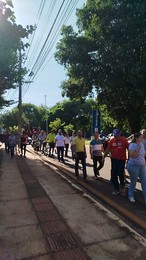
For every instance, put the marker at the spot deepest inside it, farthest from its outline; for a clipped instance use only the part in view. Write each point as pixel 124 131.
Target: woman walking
pixel 136 166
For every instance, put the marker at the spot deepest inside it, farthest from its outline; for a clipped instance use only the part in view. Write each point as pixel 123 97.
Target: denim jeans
pixel 80 156
pixel 118 172
pixel 136 171
pixel 101 163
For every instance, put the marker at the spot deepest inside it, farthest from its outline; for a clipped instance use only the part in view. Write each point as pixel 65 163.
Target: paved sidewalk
pixel 43 217
pixel 20 235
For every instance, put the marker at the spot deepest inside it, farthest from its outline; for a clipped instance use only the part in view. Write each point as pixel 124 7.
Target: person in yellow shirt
pixel 51 140
pixel 79 152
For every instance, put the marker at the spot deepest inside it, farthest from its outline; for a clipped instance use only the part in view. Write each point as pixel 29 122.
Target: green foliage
pixel 108 54
pixel 56 124
pixel 11 36
pixel 32 116
pixel 72 116
pixel 69 129
pixel 73 112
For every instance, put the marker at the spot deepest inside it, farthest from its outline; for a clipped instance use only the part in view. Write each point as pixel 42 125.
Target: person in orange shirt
pixel 117 147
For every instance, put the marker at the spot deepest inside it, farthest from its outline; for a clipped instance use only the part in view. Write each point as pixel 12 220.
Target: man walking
pixel 42 137
pixel 117 147
pixel 60 143
pixel 80 153
pixel 96 150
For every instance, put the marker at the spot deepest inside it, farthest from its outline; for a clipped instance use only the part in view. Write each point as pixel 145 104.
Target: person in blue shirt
pixel 96 152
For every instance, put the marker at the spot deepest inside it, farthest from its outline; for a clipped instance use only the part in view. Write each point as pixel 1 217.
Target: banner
pixel 95 121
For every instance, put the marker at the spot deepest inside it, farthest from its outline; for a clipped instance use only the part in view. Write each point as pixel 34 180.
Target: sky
pixel 45 88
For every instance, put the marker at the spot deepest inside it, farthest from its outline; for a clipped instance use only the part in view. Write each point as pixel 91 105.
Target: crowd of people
pixel 123 153
pixel 15 143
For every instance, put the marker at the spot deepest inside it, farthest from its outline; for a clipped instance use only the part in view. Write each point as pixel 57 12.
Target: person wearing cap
pixel 96 152
pixel 117 147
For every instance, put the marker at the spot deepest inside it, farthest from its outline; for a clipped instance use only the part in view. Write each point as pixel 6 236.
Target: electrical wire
pixel 63 15
pixel 60 22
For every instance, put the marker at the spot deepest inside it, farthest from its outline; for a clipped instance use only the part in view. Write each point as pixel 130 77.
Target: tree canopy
pixel 67 115
pixel 32 115
pixel 108 54
pixel 11 41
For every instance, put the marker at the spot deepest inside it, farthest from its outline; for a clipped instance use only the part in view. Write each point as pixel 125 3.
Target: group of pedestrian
pixel 136 162
pixel 15 142
pixel 120 150
pixel 59 141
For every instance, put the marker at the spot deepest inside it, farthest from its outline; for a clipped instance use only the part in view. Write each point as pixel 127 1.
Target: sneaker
pixel 115 192
pixel 131 199
pixel 95 177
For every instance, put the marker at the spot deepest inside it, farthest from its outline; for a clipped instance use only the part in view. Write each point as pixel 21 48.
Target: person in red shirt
pixel 117 147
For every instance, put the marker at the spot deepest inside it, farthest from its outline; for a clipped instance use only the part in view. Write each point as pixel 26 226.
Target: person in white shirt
pixel 66 144
pixel 60 144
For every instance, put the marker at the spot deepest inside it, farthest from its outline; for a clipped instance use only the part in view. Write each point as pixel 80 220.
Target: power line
pixel 68 9
pixel 63 14
pixel 55 37
pixel 42 30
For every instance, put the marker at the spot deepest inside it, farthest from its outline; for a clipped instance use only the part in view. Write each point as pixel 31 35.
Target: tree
pixel 73 112
pixel 116 65
pixel 32 116
pixel 56 124
pixel 69 129
pixel 11 36
pixel 68 115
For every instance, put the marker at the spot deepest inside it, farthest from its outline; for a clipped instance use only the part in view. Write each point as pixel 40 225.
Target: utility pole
pixel 46 114
pixel 20 94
